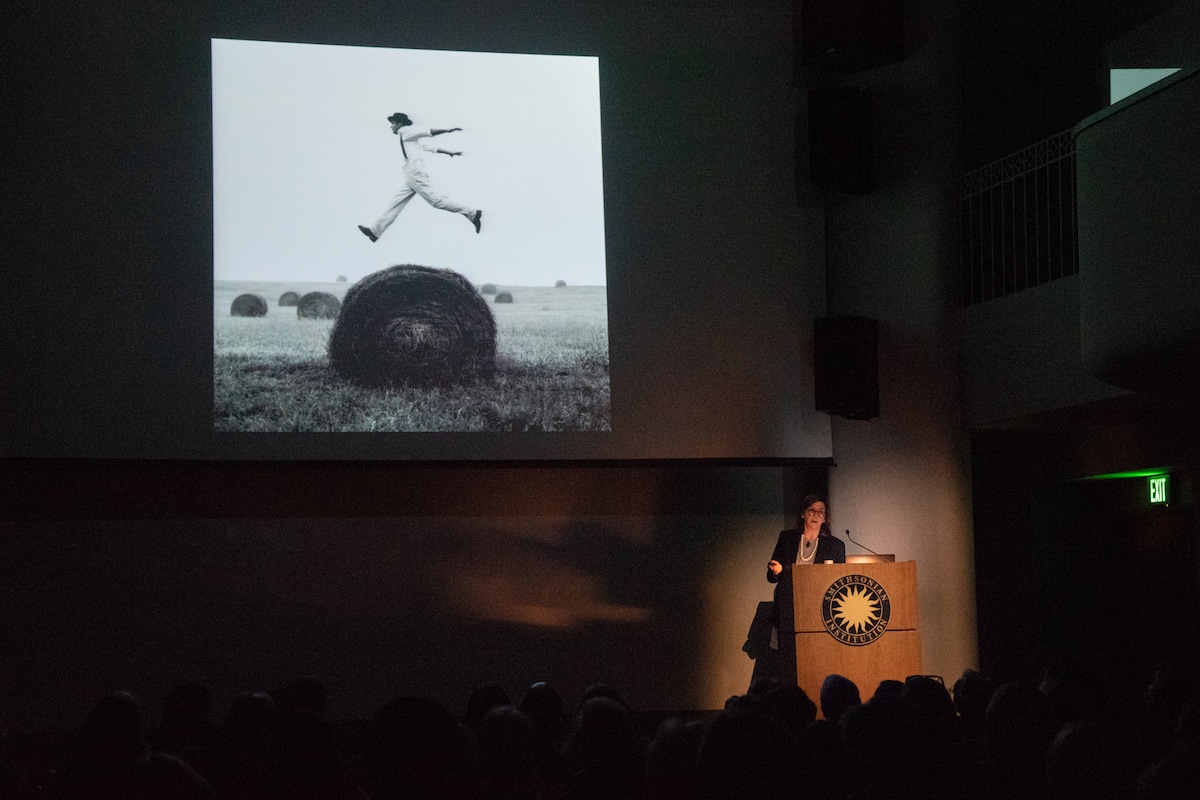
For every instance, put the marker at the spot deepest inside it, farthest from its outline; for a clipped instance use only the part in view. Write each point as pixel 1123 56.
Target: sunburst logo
pixel 856 610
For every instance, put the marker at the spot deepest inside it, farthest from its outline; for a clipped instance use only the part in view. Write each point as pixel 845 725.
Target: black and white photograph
pixel 407 241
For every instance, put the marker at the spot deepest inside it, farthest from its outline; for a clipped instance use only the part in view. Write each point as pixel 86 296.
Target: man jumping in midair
pixel 415 179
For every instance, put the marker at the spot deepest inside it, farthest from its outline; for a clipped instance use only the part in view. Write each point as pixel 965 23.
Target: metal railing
pixel 1017 221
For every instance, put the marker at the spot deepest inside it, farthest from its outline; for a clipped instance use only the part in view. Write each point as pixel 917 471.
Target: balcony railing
pixel 1017 221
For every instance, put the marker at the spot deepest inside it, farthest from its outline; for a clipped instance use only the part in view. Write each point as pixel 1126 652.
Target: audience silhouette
pixel 114 762
pixel 544 707
pixel 838 694
pixel 606 751
pixel 507 751
pixel 671 759
pixel 483 700
pixel 1057 736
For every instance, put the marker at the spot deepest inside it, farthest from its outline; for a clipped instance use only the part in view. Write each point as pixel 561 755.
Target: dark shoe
pixel 476 218
pixel 367 232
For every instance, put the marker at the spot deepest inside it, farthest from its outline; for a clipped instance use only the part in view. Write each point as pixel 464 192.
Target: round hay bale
pixel 342 279
pixel 318 305
pixel 560 284
pixel 248 305
pixel 503 297
pixel 413 325
pixel 487 288
pixel 289 299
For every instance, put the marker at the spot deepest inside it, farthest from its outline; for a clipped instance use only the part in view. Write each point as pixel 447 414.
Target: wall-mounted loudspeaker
pixel 846 366
pixel 847 35
pixel 841 153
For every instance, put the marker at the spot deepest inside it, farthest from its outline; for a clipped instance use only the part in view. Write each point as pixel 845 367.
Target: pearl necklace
pixel 806 553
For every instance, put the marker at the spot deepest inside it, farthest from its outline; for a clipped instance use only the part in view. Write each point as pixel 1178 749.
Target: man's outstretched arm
pixel 438 131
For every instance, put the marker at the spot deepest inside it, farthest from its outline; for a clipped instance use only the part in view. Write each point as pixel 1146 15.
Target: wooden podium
pixel 830 617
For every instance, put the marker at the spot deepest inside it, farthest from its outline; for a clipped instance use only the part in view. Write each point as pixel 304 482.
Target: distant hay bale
pixel 289 299
pixel 413 325
pixel 342 279
pixel 559 284
pixel 503 297
pixel 248 305
pixel 318 305
pixel 487 288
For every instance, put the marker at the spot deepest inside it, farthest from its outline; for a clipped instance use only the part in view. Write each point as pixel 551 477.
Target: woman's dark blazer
pixel 829 548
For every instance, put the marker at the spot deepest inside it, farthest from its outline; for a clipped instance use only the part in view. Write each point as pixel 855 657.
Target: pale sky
pixel 303 154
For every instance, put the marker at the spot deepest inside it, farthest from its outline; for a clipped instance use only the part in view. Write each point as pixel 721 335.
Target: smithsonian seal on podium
pixel 856 610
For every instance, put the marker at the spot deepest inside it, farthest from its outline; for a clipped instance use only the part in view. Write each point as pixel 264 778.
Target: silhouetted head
pixel 671 760
pixel 415 749
pixel 543 704
pixel 889 750
pixel 1172 685
pixel 249 727
pixel 1177 775
pixel 399 120
pixel 1188 725
pixel 972 694
pixel 746 755
pixel 933 702
pixel 506 750
pixel 889 688
pixel 305 751
pixel 838 693
pixel 483 700
pixel 792 706
pixel 604 690
pixel 671 754
pixel 605 734
pixel 1018 724
pixel 111 737
pixel 186 717
pixel 1087 761
pixel 821 761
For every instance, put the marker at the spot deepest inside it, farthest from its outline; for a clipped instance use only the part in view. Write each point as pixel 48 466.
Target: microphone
pixel 864 547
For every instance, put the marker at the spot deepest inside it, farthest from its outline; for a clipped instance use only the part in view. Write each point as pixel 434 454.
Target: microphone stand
pixel 863 546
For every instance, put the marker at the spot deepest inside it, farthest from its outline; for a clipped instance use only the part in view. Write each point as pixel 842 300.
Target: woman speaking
pixel 811 543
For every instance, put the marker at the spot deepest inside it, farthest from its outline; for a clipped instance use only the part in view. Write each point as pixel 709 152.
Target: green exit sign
pixel 1158 488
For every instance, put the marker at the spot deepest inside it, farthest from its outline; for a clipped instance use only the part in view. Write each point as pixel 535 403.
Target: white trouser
pixel 416 182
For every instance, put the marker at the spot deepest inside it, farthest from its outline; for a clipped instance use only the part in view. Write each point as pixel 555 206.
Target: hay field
pixel 272 373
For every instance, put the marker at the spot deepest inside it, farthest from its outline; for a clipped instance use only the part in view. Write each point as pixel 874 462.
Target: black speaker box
pixel 846 366
pixel 841 152
pixel 847 36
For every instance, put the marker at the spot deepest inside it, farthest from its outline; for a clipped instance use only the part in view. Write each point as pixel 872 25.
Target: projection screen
pixel 586 236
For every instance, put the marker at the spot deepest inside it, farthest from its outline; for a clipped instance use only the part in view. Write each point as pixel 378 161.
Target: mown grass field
pixel 272 373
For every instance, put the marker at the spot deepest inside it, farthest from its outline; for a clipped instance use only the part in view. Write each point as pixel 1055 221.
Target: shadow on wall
pixel 377 608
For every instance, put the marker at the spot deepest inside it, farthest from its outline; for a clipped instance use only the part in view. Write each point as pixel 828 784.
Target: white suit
pixel 416 181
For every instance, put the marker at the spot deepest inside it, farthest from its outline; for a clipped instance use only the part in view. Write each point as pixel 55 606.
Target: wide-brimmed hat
pixel 402 119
